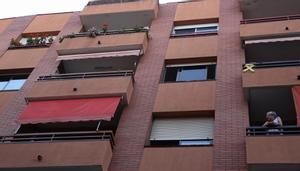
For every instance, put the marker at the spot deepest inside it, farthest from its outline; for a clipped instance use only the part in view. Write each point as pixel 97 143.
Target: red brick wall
pixel 231 114
pixel 136 118
pixel 46 66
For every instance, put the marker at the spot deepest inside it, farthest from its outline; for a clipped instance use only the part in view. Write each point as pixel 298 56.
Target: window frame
pixel 180 141
pixel 195 27
pixel 10 79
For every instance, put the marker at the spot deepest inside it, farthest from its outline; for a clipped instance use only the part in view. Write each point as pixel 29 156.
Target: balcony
pixel 206 11
pixel 119 15
pixel 188 47
pixel 177 159
pixel 270 27
pixel 173 97
pixel 268 8
pixel 266 74
pixel 83 43
pixel 82 151
pixel 84 85
pixel 274 152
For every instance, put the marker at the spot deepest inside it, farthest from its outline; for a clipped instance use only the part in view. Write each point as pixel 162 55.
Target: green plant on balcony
pixel 29 41
pixel 137 29
pixel 92 32
pixel 50 40
pixel 104 27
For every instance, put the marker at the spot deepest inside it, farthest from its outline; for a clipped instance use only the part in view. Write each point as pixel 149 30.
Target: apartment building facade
pixel 142 86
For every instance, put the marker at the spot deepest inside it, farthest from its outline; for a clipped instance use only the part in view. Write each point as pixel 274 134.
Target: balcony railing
pixel 271 19
pixel 101 2
pixel 272 64
pixel 87 75
pixel 94 33
pixel 59 136
pixel 282 130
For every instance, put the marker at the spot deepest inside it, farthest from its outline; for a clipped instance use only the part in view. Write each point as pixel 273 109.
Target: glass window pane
pixel 192 73
pixel 207 29
pixel 3 84
pixel 15 84
pixel 185 31
pixel 195 142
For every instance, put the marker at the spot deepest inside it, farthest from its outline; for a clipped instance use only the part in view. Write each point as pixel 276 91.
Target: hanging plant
pixel 104 27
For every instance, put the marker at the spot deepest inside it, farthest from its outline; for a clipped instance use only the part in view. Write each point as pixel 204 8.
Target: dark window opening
pixel 190 73
pixel 185 31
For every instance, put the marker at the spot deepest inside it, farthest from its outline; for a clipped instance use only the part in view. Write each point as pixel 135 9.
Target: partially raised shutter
pixel 182 128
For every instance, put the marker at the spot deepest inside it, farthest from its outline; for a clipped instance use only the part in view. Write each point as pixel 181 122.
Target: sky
pixel 16 8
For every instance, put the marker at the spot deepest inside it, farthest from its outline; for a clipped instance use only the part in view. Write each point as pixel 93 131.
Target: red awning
pixel 296 94
pixel 69 110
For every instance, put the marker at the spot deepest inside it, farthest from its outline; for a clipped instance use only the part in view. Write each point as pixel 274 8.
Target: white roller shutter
pixel 182 128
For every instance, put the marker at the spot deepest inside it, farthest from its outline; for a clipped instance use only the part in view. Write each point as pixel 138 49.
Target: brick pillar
pixel 13 30
pixel 47 65
pixel 231 114
pixel 136 117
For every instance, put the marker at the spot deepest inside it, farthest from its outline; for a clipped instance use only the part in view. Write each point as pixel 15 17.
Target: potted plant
pixel 104 27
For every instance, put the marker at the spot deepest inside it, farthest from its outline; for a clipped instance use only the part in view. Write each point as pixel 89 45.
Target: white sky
pixel 16 8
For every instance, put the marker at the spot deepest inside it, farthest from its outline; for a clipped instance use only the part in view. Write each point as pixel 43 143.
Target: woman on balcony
pixel 273 121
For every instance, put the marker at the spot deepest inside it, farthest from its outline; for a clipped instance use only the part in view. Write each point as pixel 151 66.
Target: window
pixel 182 131
pixel 12 82
pixel 190 72
pixel 196 29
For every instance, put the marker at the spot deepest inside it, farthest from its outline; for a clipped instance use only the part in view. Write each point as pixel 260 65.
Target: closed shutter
pixel 182 128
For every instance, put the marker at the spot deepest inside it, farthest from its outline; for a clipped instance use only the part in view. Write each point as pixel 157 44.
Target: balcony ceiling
pixel 118 20
pixel 74 168
pixel 269 8
pixel 275 51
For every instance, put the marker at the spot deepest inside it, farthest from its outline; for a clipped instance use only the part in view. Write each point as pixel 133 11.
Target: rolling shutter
pixel 182 128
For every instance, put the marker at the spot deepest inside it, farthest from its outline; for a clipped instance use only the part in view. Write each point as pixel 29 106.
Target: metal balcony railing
pixel 58 136
pixel 102 2
pixel 270 19
pixel 87 75
pixel 273 64
pixel 282 130
pixel 94 33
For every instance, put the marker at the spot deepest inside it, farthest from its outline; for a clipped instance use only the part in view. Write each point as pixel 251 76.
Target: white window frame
pixel 195 26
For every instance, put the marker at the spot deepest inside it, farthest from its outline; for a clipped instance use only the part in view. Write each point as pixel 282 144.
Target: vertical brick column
pixel 13 30
pixel 136 118
pixel 231 114
pixel 47 65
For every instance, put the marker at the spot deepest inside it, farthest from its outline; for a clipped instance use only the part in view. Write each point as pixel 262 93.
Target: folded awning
pixel 69 110
pixel 296 94
pixel 100 55
pixel 270 40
